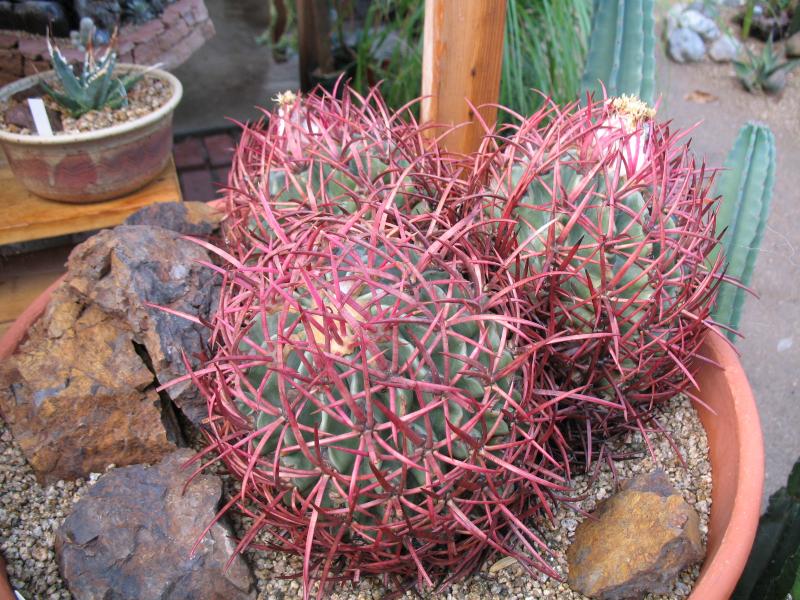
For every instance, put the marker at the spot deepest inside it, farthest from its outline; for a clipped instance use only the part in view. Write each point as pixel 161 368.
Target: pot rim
pixel 86 136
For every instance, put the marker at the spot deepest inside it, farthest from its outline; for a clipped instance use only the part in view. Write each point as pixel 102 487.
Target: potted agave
pixel 99 133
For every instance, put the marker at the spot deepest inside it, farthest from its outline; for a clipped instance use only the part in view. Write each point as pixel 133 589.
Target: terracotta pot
pixel 735 443
pixel 93 165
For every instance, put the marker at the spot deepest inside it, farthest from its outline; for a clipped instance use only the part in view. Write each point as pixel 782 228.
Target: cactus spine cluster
pixel 407 341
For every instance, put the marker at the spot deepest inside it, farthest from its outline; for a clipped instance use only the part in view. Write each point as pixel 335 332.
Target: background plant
pixel 764 72
pixel 773 569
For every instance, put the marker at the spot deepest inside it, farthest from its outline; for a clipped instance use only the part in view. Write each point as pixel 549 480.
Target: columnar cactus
pixel 746 188
pixel 621 57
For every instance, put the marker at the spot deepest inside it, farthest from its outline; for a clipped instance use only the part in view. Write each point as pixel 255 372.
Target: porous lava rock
pixel 635 542
pixel 130 538
pixel 78 397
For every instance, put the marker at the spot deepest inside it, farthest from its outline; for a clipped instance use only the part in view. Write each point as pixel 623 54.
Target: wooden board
pixel 462 58
pixel 25 217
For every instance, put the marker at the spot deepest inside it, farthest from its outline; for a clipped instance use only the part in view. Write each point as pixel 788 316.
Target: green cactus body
pixel 392 349
pixel 621 49
pixel 625 262
pixel 746 189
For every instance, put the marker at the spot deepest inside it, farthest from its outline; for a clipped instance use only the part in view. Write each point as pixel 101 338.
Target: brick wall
pixel 169 39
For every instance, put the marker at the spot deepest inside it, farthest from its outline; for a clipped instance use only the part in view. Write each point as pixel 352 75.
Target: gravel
pixel 149 94
pixel 29 515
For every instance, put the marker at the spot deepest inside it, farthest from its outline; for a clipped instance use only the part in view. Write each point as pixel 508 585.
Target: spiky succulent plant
pixel 332 153
pixel 95 87
pixel 604 218
pixel 375 405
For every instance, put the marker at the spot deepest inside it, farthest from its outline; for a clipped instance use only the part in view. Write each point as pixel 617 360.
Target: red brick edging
pixel 169 39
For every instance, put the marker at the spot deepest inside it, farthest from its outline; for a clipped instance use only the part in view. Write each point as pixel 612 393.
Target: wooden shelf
pixel 25 217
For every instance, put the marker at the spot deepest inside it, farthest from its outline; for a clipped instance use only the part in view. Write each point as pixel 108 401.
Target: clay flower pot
pixel 736 452
pixel 93 165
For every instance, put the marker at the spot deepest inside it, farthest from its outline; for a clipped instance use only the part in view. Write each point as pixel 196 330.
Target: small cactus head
pixel 606 219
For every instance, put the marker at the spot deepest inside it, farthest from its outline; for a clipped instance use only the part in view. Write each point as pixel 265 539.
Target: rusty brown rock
pixel 130 538
pixel 78 397
pixel 188 218
pixel 635 542
pixel 131 271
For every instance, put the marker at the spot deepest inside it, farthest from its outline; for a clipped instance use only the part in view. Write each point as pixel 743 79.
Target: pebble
pixel 725 49
pixel 29 515
pixel 700 24
pixel 685 45
pixel 145 97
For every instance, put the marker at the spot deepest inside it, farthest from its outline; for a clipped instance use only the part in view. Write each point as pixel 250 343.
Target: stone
pixel 700 24
pixel 35 16
pixel 635 542
pixel 20 115
pixel 8 16
pixel 672 20
pixel 130 538
pixel 129 272
pixel 793 46
pixel 725 49
pixel 188 218
pixel 78 397
pixel 105 13
pixel 685 45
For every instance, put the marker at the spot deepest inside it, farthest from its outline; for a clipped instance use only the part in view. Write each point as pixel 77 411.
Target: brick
pixel 147 54
pixel 125 47
pixel 7 78
pixel 197 186
pixel 8 40
pixel 200 11
pixel 220 149
pixel 190 153
pixel 172 14
pixel 72 54
pixel 126 58
pixel 180 53
pixel 208 29
pixel 31 67
pixel 187 47
pixel 33 47
pixel 143 33
pixel 170 38
pixel 10 61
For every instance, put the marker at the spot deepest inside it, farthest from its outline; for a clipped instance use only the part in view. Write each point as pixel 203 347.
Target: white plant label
pixel 39 113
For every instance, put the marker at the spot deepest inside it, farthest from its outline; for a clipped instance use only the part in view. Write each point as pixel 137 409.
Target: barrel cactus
pixel 376 406
pixel 331 153
pixel 606 220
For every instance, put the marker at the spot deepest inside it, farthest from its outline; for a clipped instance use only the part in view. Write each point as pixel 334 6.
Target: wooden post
pixel 462 59
pixel 314 43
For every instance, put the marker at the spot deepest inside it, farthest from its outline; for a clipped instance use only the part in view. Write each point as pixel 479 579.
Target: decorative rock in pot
pixel 99 134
